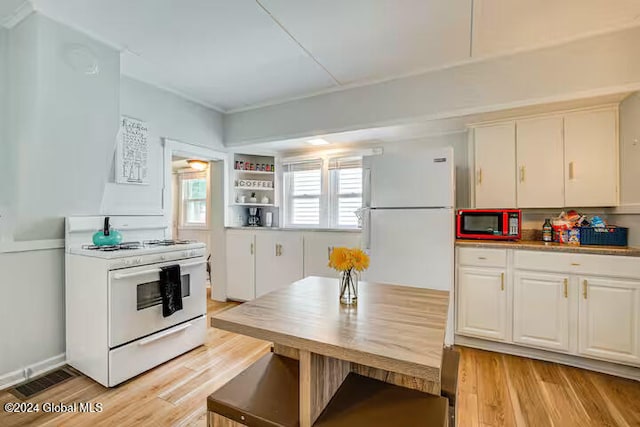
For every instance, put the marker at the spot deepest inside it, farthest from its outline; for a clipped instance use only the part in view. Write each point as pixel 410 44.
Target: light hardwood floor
pixel 495 390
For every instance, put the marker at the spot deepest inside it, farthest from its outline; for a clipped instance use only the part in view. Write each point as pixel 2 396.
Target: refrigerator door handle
pixel 366 228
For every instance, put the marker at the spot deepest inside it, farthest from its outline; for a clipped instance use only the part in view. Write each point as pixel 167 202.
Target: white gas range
pixel 115 326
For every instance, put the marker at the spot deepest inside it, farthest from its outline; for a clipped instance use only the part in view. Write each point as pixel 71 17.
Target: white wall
pixel 60 154
pixel 64 125
pixel 599 64
pixel 167 116
pixel 32 315
pixel 5 157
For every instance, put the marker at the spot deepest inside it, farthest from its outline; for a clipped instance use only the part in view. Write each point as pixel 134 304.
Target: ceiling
pixel 238 54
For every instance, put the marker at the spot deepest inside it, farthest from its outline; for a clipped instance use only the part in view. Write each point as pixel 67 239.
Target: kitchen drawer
pixel 132 359
pixel 599 265
pixel 482 257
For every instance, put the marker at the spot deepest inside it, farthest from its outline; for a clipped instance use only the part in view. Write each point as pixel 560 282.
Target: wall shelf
pixel 254 172
pixel 254 188
pixel 254 204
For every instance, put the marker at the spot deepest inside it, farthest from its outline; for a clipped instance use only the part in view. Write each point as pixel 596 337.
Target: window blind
pixel 303 181
pixel 346 177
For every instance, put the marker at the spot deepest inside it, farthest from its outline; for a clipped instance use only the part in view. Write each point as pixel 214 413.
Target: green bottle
pixel 547 231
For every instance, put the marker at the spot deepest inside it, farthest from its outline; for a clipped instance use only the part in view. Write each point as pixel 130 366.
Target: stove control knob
pixel 127 262
pixel 138 260
pixel 193 253
pixel 162 257
pixel 185 253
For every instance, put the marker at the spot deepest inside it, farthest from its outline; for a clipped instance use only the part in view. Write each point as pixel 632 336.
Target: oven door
pixel 481 224
pixel 135 302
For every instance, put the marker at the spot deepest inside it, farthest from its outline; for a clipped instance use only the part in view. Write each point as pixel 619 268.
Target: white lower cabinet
pixel 318 247
pixel 609 319
pixel 578 304
pixel 261 261
pixel 541 310
pixel 278 260
pixel 482 302
pixel 241 274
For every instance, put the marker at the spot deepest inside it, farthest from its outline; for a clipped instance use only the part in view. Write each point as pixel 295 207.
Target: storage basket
pixel 606 236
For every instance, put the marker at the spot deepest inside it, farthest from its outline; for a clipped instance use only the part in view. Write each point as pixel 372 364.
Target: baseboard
pixel 615 369
pixel 33 370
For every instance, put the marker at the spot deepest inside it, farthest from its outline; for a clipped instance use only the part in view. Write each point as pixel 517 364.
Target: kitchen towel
pixel 170 289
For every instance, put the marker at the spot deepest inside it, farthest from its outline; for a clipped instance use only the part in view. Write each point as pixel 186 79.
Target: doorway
pixel 194 203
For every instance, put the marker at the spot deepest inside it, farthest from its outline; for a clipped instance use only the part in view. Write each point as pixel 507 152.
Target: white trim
pixel 325 154
pixel 173 147
pixel 12 378
pixel 628 209
pixel 455 113
pixel 25 9
pixel 31 245
pixel 624 371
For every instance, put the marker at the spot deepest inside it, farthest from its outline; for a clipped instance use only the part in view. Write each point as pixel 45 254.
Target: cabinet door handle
pixel 252 249
pixel 329 250
pixel 584 288
pixel 502 281
pixel 566 288
pixel 276 249
pixel 522 171
pixel 480 176
pixel 571 170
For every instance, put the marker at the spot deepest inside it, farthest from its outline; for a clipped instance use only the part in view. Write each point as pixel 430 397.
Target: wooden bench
pixel 363 401
pixel 449 381
pixel 264 395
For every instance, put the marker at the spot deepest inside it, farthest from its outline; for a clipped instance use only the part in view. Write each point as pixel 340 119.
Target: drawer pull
pixel 566 288
pixel 576 264
pixel 482 257
pixel 480 176
pixel 252 249
pixel 584 289
pixel 502 281
pixel 164 334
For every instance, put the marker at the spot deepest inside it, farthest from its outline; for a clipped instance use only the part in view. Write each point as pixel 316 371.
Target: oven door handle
pixel 164 334
pixel 119 276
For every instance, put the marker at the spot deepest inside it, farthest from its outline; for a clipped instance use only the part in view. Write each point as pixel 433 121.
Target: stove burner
pixel 166 242
pixel 112 248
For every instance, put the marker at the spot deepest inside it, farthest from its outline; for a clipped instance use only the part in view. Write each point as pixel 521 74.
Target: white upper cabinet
pixel 555 161
pixel 591 158
pixel 540 162
pixel 495 161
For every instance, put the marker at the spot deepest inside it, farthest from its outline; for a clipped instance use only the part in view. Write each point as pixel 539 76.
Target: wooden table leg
pixel 320 378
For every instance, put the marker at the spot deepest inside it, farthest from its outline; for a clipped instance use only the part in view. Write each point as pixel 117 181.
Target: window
pixel 194 199
pixel 323 194
pixel 345 178
pixel 303 185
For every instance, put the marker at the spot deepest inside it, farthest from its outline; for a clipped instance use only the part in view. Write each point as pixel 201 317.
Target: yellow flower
pixel 359 259
pixel 340 259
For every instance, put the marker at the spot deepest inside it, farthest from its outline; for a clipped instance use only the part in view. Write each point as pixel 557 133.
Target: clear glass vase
pixel 348 287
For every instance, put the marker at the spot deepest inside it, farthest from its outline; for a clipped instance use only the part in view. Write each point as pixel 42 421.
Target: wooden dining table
pixel 394 334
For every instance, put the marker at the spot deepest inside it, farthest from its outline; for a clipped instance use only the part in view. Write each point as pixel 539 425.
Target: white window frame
pixel 328 199
pixel 185 176
pixel 334 201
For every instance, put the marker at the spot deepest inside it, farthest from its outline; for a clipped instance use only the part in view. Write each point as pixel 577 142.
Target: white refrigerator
pixel 409 220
